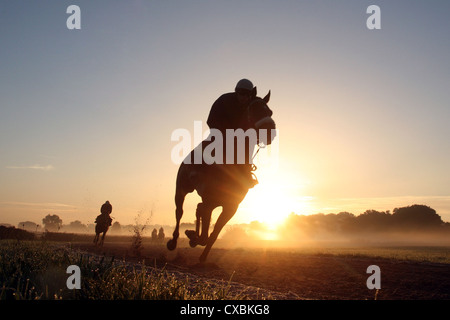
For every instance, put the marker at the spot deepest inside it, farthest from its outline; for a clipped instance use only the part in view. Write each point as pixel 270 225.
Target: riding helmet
pixel 244 84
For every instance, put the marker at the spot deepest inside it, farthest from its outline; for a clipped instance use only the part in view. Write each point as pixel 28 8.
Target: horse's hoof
pixel 191 234
pixel 192 243
pixel 171 244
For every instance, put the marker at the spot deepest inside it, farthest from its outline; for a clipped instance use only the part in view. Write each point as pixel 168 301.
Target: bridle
pixel 257 124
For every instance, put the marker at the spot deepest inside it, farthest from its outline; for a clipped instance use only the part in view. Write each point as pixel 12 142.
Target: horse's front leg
pixel 179 200
pixel 227 213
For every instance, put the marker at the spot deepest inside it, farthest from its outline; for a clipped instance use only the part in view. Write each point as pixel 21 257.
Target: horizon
pixel 87 114
pixel 265 223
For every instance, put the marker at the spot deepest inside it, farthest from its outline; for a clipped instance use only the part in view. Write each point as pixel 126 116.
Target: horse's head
pixel 260 119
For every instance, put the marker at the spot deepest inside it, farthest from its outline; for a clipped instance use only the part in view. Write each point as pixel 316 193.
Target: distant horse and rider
pixel 103 222
pixel 222 183
pixel 158 236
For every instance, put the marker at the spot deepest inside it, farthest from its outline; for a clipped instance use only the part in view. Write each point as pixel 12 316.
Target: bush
pixel 16 234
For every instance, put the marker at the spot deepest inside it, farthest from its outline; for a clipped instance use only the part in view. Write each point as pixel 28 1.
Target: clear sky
pixel 87 115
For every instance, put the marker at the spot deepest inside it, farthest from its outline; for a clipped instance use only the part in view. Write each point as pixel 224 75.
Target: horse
pixel 220 184
pixel 161 235
pixel 103 222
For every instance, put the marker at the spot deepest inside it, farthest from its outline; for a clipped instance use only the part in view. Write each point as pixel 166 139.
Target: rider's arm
pixel 217 115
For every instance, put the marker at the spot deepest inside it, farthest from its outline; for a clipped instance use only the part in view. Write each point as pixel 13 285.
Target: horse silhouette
pixel 161 235
pixel 154 234
pixel 224 185
pixel 103 222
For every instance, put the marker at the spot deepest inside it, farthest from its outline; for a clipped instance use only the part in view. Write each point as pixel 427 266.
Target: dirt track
pixel 289 274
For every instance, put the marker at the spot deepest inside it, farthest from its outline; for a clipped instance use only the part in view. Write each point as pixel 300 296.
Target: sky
pixel 87 115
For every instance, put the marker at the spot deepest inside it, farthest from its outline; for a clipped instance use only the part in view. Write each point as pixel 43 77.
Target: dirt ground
pixel 291 274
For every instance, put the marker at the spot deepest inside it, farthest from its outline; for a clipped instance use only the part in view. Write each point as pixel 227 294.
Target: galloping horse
pixel 103 221
pixel 223 185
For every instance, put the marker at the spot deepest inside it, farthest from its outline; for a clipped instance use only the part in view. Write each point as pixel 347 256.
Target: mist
pixel 416 225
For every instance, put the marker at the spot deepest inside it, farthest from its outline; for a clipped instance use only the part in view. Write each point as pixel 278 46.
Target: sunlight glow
pixel 275 197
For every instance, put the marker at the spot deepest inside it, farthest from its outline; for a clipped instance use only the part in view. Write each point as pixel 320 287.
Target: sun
pixel 273 199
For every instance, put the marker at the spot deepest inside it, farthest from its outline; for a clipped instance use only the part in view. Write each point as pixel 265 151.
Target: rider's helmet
pixel 244 85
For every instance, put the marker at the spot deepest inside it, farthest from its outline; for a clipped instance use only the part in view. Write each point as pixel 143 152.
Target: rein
pixel 258 123
pixel 260 146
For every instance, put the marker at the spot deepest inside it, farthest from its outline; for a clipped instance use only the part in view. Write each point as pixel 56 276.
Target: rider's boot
pixel 249 178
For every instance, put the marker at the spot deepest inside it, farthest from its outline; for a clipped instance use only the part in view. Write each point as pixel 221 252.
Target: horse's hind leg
pixel 205 216
pixel 96 238
pixel 227 213
pixel 193 235
pixel 200 235
pixel 103 239
pixel 179 200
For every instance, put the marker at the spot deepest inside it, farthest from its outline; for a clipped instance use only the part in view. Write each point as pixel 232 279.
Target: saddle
pixel 241 175
pixel 103 219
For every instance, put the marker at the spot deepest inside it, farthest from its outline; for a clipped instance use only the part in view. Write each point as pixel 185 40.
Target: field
pixel 311 272
pixel 32 270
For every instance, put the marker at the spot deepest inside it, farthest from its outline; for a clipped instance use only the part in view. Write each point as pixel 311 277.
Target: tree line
pixel 412 219
pixel 53 223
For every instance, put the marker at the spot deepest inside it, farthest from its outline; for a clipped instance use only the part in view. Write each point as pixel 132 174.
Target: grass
pixel 406 253
pixel 436 253
pixel 36 270
pixel 31 270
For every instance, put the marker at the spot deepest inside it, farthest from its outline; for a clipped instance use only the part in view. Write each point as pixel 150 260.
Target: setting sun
pixel 274 198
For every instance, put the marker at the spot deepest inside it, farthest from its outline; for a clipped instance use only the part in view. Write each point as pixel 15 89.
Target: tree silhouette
pixel 116 228
pixel 416 217
pixel 77 226
pixel 373 220
pixel 28 225
pixel 52 222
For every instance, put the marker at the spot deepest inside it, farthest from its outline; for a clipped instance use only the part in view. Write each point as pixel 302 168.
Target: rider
pixel 106 208
pixel 104 218
pixel 228 112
